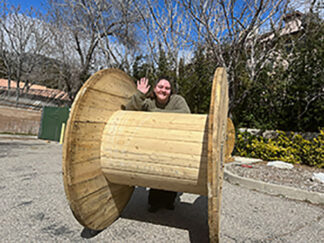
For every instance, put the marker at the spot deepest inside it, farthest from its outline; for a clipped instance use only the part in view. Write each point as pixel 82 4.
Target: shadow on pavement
pixel 192 217
pixel 89 233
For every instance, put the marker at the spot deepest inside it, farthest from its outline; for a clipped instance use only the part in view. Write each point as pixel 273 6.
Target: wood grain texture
pixel 217 126
pixel 94 201
pixel 108 151
pixel 158 150
pixel 230 141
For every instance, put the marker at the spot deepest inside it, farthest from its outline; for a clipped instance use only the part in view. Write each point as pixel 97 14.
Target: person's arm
pixel 137 101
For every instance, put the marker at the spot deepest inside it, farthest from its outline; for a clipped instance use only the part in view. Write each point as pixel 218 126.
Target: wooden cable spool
pixel 107 151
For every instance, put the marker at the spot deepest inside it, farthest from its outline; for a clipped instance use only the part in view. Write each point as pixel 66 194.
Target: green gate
pixel 51 122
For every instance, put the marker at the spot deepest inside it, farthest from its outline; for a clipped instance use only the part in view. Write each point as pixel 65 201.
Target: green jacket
pixel 139 102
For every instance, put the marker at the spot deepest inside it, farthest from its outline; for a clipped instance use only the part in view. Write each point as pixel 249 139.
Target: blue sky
pixel 26 4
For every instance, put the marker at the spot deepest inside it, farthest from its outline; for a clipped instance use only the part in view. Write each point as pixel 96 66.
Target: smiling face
pixel 162 91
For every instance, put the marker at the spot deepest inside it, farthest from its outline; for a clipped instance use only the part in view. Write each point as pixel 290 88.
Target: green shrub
pixel 288 147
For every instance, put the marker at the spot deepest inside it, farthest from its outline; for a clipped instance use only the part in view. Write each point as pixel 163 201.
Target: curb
pixel 274 189
pixel 21 137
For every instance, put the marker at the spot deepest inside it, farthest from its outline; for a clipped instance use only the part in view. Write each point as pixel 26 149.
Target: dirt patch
pixel 300 176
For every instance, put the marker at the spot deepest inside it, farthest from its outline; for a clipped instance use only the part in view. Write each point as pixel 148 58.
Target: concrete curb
pixel 13 136
pixel 274 189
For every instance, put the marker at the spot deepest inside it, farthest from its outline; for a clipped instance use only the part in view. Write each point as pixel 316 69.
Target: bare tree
pixel 118 44
pixel 312 6
pixel 165 25
pixel 88 35
pixel 233 30
pixel 23 41
pixel 6 67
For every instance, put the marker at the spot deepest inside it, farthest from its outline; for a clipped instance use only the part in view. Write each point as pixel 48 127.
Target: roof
pixel 293 15
pixel 38 90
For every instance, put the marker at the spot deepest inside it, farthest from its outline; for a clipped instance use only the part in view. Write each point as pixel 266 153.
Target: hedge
pixel 288 147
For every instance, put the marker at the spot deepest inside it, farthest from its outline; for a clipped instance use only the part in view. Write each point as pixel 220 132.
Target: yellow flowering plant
pixel 288 147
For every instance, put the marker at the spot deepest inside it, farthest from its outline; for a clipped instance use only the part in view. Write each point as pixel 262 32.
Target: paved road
pixel 33 208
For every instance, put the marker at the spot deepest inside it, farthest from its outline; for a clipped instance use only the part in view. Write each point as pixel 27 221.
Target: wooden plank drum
pixel 107 151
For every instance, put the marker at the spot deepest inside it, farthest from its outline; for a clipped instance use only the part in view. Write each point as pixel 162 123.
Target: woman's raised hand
pixel 142 85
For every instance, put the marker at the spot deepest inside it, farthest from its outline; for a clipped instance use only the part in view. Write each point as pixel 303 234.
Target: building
pixel 34 97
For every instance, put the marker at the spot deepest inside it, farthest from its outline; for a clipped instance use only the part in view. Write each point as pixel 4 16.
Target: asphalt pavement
pixel 33 208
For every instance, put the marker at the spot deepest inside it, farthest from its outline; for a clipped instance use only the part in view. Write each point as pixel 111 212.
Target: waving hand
pixel 142 85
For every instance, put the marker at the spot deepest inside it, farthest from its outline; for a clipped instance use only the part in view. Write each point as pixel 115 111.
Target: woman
pixel 161 99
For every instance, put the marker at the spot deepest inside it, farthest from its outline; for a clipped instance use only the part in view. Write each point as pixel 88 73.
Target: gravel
pixel 300 176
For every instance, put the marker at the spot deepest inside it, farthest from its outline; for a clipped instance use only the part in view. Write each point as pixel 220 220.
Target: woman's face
pixel 162 91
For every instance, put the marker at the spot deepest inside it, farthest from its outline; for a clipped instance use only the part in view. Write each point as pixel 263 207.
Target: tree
pixel 23 41
pixel 142 69
pixel 165 31
pixel 231 31
pixel 195 80
pixel 305 76
pixel 87 36
pixel 289 92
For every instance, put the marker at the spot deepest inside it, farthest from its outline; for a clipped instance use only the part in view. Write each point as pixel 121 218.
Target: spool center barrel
pixel 158 150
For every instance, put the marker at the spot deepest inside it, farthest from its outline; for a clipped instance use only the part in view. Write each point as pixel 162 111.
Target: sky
pixel 26 4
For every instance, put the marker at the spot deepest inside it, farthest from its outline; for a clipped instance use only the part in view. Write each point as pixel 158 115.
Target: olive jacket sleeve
pixel 137 102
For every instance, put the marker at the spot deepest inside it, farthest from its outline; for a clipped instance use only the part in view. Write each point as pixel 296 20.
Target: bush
pixel 288 147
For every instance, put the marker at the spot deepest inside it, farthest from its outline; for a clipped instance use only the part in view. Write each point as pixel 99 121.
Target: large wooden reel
pixel 107 151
